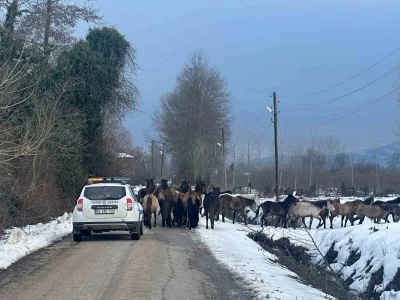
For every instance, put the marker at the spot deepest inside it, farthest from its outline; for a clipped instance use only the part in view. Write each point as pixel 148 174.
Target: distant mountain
pixel 384 154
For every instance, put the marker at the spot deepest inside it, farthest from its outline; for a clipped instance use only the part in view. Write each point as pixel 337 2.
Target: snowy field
pixel 19 242
pixel 256 267
pixel 378 245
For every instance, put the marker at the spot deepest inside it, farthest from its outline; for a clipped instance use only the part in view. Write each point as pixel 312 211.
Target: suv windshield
pixel 104 192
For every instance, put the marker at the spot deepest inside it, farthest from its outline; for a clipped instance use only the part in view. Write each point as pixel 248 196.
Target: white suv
pixel 107 205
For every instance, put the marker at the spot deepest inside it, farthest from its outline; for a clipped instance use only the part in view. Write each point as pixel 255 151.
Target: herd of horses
pixel 186 205
pixel 292 209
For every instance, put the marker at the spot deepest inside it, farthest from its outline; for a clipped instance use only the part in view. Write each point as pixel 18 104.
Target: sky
pixel 294 48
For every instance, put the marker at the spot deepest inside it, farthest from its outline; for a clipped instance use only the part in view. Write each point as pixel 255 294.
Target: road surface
pixel 165 264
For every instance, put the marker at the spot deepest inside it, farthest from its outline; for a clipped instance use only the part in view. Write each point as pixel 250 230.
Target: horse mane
pixel 247 200
pixel 368 200
pixel 290 199
pixel 319 203
pixel 157 190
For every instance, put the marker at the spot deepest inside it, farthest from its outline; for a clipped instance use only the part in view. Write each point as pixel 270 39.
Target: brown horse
pixel 149 189
pixel 234 203
pixel 190 198
pixel 150 205
pixel 185 186
pixel 280 209
pixel 323 214
pixel 345 210
pixel 211 206
pixel 177 205
pixel 373 212
pixel 201 190
pixel 165 200
pixel 178 209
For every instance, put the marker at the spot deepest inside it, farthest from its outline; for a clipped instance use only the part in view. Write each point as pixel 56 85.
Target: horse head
pixel 184 188
pixel 201 187
pixel 164 184
pixel 216 191
pixel 291 200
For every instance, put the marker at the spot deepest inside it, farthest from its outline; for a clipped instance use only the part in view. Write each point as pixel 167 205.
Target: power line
pixel 258 120
pixel 342 82
pixel 355 110
pixel 323 103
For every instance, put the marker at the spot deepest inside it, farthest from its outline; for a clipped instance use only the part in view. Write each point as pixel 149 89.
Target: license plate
pixel 99 211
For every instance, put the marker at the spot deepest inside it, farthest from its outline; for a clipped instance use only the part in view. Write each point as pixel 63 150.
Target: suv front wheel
pixel 141 228
pixel 135 236
pixel 77 237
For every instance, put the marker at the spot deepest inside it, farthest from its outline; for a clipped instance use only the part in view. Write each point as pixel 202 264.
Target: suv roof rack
pixel 122 180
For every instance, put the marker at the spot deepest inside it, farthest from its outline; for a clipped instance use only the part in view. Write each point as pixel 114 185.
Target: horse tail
pixel 149 203
pixel 258 210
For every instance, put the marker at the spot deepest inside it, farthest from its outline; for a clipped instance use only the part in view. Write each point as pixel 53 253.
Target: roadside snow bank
pixel 369 246
pixel 19 242
pixel 256 267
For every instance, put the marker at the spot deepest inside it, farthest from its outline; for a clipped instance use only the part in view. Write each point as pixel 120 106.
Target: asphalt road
pixel 165 264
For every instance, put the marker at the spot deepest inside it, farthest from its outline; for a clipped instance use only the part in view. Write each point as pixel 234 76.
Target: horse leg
pixel 331 219
pixel 311 218
pixel 206 213
pixel 149 219
pixel 245 218
pixel 234 216
pixel 303 219
pixel 264 217
pixel 212 216
pixel 294 221
pixel 262 221
pixel 320 223
pixel 277 222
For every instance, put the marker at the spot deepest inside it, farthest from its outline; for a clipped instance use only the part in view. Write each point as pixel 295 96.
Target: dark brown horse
pixel 211 206
pixel 184 187
pixel 190 198
pixel 149 189
pixel 236 204
pixel 165 199
pixel 177 202
pixel 279 209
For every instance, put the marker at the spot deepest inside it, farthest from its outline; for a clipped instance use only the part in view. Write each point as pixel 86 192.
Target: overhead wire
pixel 355 110
pixel 342 82
pixel 323 103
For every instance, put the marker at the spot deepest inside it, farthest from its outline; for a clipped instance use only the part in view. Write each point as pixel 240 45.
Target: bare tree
pixel 190 118
pixel 49 23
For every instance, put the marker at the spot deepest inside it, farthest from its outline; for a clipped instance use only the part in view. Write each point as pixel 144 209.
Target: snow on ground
pixel 19 242
pixel 377 244
pixel 253 265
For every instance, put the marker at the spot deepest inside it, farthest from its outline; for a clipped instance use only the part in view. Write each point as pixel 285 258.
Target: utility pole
pixel 248 168
pixel 276 147
pixel 162 159
pixel 152 158
pixel 223 158
pixel 234 167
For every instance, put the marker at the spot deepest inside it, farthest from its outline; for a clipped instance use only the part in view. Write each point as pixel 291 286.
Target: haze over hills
pixel 384 155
